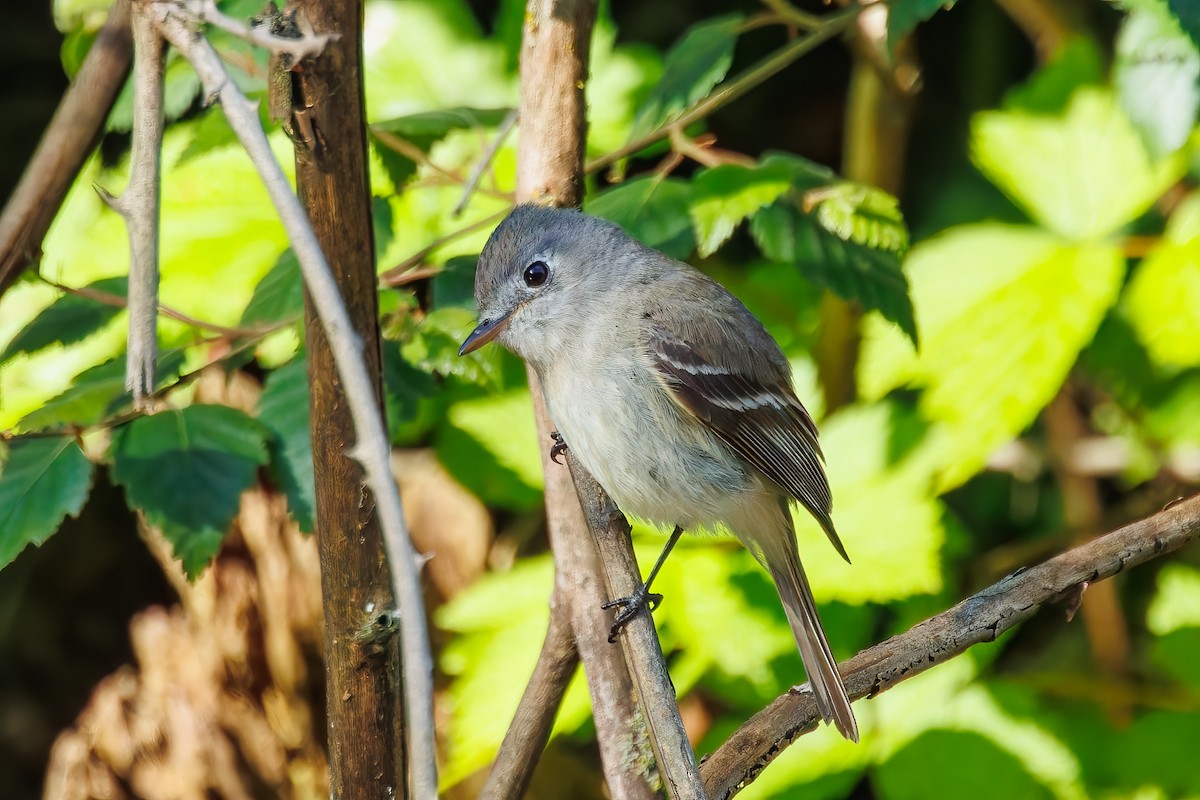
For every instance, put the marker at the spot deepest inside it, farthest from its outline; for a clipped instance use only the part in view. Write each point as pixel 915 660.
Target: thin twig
pixel 531 725
pixel 506 127
pixel 140 203
pixel 371 448
pixel 394 276
pixel 67 142
pixel 117 301
pixel 830 26
pixel 980 618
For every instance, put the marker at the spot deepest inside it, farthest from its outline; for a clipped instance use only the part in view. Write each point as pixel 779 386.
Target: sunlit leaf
pixel 499 623
pixel 852 270
pixel 95 393
pixel 1163 298
pixel 975 765
pixel 651 209
pixel 71 318
pixel 421 131
pixel 490 445
pixel 997 339
pixel 1157 75
pixel 694 65
pixel 283 408
pixel 1083 173
pixel 725 195
pixel 433 347
pixel 866 215
pixel 42 480
pixel 186 470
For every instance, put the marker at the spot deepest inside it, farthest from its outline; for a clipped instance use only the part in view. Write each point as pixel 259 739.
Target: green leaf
pixel 407 392
pixel 433 347
pixel 904 16
pixel 694 65
pixel 279 296
pixel 976 766
pixel 855 212
pixel 651 209
pixel 723 196
pixel 1157 75
pixel 1083 173
pixel 41 482
pixel 283 408
pixel 186 471
pixel 1188 14
pixel 210 132
pixel 422 131
pixel 852 270
pixel 96 393
pixel 490 445
pixel 69 319
pixel 180 87
pixel 1163 299
pixel 997 339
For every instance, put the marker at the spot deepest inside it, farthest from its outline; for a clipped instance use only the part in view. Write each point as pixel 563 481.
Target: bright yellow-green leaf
pixel 1083 174
pixel 885 513
pixel 1163 301
pixel 490 444
pixel 1003 313
pixel 1176 604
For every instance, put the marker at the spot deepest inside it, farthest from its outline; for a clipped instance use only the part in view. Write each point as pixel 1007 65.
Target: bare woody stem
pixel 980 618
pixel 371 448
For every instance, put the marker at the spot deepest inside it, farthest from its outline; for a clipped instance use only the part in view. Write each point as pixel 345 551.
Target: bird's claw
pixel 629 607
pixel 558 448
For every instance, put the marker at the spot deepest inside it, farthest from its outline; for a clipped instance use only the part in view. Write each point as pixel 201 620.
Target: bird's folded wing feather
pixel 747 400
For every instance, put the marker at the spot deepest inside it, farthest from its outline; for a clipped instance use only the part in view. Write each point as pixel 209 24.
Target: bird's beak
pixel 484 332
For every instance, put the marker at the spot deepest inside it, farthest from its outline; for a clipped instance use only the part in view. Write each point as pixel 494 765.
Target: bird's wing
pixel 730 375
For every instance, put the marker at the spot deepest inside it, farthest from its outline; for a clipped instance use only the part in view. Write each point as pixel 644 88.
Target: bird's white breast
pixel 656 462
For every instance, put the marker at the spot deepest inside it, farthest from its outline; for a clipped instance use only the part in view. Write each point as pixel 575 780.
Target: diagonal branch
pixel 980 618
pixel 68 140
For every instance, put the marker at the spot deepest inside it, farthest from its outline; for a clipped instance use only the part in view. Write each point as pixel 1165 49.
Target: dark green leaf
pixel 383 222
pixel 423 130
pixel 852 270
pixel 725 195
pixel 186 470
pixel 41 482
pixel 69 319
pixel 1188 14
pixel 433 347
pixel 404 387
pixel 974 765
pixel 454 284
pixel 693 66
pixel 96 393
pixel 284 409
pixel 279 296
pixel 651 209
pixel 905 15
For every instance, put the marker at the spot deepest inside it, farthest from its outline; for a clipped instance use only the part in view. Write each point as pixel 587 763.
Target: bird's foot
pixel 629 608
pixel 558 448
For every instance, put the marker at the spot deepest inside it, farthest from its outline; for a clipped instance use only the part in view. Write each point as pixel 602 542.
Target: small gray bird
pixel 671 394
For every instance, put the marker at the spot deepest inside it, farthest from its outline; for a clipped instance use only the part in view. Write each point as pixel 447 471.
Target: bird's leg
pixel 558 448
pixel 642 597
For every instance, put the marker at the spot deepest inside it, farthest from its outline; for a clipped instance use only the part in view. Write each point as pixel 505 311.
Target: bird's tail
pixel 782 560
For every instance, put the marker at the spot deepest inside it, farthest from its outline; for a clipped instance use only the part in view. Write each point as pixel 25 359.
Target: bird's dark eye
pixel 536 274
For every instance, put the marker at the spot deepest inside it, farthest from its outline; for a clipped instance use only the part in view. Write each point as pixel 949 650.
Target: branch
pixel 75 128
pixel 639 639
pixel 140 203
pixel 980 618
pixel 371 447
pixel 830 26
pixel 531 725
pixel 280 34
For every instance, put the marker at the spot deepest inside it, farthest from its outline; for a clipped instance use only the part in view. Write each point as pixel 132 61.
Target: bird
pixel 671 394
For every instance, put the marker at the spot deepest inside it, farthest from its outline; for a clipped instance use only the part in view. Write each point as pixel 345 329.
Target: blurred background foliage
pixel 1019 369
